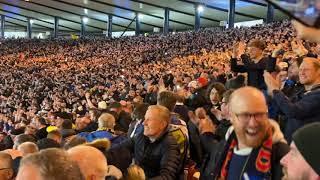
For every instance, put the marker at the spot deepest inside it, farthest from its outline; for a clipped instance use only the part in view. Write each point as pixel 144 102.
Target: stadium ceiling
pixel 124 12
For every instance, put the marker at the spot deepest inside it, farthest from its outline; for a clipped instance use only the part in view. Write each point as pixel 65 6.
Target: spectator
pixel 148 148
pixel 49 164
pixel 302 162
pixel 41 125
pixel 25 149
pixel 251 136
pixel 92 163
pixel 303 110
pixel 6 164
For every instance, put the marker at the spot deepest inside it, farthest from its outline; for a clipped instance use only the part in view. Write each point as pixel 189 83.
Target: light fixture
pixel 85 11
pixel 200 8
pixel 85 20
pixel 31 21
pixel 140 16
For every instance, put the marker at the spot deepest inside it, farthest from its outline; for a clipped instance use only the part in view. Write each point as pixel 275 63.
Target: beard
pixel 252 138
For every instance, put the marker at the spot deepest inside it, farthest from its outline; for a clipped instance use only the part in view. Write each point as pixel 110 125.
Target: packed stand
pixel 213 104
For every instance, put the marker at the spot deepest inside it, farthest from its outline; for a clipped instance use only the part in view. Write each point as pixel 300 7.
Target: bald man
pixel 25 149
pixel 6 171
pixel 91 161
pixel 250 150
pixel 305 108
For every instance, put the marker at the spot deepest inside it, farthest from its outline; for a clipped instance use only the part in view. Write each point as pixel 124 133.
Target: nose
pixel 252 122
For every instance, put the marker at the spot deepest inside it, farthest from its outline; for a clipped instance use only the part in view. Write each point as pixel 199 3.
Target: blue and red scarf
pixel 258 165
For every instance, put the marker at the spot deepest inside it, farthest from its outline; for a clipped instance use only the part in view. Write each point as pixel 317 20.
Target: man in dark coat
pixel 155 150
pixel 253 146
pixel 305 109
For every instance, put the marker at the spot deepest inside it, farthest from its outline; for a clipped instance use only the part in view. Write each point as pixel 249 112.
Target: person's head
pixel 6 163
pixel 293 70
pixel 216 93
pixel 106 121
pixel 255 48
pixel 139 111
pixel 46 143
pixel 91 161
pixel 135 173
pixel 27 148
pixel 156 121
pixel 95 113
pixel 249 116
pixel 302 161
pixel 23 138
pixel 225 103
pixel 74 141
pixel 55 135
pixel 82 122
pixel 39 122
pixel 49 164
pixel 66 124
pixel 167 99
pixel 309 72
pixel 30 130
pixel 115 107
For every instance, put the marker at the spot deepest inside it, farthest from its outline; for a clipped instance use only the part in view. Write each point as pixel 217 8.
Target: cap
pixel 307 141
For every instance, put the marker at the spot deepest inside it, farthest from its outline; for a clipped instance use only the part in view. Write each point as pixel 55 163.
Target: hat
pixel 202 81
pixel 102 105
pixel 307 141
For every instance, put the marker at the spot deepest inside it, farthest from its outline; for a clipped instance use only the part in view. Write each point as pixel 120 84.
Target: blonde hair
pixel 106 120
pixel 135 172
pixel 164 113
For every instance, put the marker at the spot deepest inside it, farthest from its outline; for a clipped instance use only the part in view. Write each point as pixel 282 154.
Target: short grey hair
pixel 164 112
pixel 53 164
pixel 106 120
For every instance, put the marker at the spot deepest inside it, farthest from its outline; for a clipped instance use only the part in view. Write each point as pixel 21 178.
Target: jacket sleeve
pixel 170 161
pixel 209 141
pixel 237 68
pixel 300 109
pixel 279 150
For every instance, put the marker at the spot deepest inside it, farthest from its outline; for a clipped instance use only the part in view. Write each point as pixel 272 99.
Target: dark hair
pixel 139 111
pixel 46 143
pixel 22 138
pixel 167 99
pixel 66 124
pixel 226 95
pixel 42 121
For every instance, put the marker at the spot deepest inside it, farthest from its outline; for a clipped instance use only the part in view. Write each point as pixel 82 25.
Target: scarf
pixel 258 163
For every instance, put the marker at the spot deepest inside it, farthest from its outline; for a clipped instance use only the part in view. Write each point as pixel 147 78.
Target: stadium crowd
pixel 213 104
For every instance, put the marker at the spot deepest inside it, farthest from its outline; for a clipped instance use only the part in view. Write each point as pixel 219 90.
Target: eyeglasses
pixel 248 116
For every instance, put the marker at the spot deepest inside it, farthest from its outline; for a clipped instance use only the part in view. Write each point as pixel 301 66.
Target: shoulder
pixel 279 150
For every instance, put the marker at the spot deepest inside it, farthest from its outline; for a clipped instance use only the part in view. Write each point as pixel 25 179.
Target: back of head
pixel 28 148
pixel 46 143
pixel 5 160
pixel 139 111
pixel 66 124
pixel 23 138
pixel 167 99
pixel 90 160
pixel 75 141
pixel 106 121
pixel 135 173
pixel 52 164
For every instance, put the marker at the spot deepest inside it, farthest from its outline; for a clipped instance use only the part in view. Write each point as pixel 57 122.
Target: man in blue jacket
pixel 305 109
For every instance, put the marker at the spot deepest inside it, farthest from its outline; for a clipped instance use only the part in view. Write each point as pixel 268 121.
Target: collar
pixel 179 103
pixel 242 152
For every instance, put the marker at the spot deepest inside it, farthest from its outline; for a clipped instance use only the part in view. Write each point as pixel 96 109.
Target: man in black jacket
pixel 304 109
pixel 252 150
pixel 155 150
pixel 254 63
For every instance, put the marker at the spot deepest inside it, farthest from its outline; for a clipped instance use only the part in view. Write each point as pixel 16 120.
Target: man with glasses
pixel 254 144
pixel 6 171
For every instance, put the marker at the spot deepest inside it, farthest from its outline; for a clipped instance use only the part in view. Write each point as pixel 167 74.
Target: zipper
pixel 244 167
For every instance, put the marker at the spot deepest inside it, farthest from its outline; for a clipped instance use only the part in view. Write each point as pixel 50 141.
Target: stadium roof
pixel 70 12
